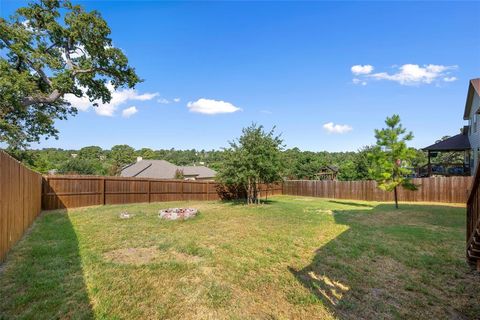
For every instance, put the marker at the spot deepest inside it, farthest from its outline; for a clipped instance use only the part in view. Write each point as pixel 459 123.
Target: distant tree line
pixel 297 164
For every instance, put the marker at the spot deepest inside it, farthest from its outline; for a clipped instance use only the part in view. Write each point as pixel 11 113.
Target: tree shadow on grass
pixel 42 277
pixel 352 203
pixel 383 267
pixel 243 202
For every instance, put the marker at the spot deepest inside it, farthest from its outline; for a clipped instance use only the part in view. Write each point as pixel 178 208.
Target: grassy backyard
pixel 294 257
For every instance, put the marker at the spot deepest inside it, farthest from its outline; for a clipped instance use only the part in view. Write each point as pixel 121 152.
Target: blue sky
pixel 325 73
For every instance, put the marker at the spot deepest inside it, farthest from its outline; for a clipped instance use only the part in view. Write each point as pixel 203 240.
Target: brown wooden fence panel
pixel 434 189
pixel 79 191
pixel 20 201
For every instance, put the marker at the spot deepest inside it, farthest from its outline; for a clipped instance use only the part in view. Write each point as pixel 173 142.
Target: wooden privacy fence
pixel 433 189
pixel 80 191
pixel 20 201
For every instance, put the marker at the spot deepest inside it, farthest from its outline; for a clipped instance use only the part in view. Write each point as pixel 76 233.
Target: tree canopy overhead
pixel 51 48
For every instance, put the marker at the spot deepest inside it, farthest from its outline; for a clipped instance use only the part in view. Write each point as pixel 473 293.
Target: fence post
pixel 183 196
pixel 149 188
pixel 208 188
pixel 103 184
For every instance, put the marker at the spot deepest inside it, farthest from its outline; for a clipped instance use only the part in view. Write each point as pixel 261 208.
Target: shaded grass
pixel 290 258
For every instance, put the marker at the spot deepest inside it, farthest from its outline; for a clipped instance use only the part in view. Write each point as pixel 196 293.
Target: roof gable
pixel 473 88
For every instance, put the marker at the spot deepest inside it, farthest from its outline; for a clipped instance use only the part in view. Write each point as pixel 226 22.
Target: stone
pixel 177 213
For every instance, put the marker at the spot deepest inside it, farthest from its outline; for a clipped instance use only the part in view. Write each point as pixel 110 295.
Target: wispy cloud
pixel 128 112
pixel 358 81
pixel 163 101
pixel 330 127
pixel 210 106
pixel 407 74
pixel 119 97
pixel 450 79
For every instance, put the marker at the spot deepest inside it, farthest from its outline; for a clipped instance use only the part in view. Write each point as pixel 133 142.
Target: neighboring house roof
pixel 199 171
pixel 459 142
pixel 161 169
pixel 473 87
pixel 329 167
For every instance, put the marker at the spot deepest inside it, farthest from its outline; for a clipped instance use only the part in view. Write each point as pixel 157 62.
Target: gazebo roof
pixel 330 168
pixel 459 142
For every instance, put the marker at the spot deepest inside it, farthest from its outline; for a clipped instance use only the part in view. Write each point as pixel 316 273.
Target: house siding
pixel 474 133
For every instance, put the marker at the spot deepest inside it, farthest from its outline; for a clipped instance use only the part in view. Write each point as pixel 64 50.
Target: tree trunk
pixel 255 192
pixel 396 197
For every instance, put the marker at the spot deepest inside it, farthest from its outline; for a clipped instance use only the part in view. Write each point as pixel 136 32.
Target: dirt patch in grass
pixel 135 256
pixel 140 256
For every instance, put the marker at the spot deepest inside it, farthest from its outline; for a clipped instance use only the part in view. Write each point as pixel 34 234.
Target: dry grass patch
pixel 139 256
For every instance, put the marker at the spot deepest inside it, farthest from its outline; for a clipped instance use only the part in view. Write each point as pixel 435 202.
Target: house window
pixel 475 117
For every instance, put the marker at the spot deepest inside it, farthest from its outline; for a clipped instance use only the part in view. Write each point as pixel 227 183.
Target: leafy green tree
pixel 347 171
pixel 80 166
pixel 308 165
pixel 146 153
pixel 358 167
pixel 51 48
pixel 91 153
pixel 392 158
pixel 121 155
pixel 252 159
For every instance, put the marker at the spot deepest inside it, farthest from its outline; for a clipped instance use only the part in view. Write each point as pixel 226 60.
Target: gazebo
pixel 327 173
pixel 457 143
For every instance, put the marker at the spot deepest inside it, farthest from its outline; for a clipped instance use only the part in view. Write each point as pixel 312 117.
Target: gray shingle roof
pixel 458 142
pixel 161 169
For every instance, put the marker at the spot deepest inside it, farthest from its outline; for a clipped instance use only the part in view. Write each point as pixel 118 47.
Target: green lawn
pixel 293 258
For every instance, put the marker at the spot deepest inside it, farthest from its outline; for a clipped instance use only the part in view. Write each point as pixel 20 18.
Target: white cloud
pixel 361 69
pixel 166 101
pixel 407 74
pixel 358 81
pixel 128 112
pixel 119 97
pixel 210 106
pixel 330 127
pixel 163 101
pixel 143 97
pixel 450 79
pixel 82 104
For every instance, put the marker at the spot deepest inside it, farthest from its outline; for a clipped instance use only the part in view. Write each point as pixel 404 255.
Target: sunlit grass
pixel 293 257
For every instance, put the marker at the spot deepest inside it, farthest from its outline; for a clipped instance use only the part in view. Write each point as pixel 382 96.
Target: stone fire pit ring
pixel 177 213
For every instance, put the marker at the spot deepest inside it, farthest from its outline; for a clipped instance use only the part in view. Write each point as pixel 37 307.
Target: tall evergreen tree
pixel 392 157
